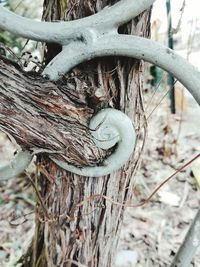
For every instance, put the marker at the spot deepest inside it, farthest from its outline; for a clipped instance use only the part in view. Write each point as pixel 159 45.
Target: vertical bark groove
pixel 80 227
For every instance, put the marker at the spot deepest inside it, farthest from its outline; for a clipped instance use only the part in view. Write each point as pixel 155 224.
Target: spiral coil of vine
pixel 100 37
pixel 109 128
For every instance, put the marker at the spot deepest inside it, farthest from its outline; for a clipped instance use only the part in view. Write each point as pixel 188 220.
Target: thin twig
pixel 176 30
pixel 160 101
pixel 154 92
pixel 96 196
pixel 38 196
pixel 181 117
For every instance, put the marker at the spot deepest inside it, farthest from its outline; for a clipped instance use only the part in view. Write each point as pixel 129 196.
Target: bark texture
pixel 44 117
pixel 75 223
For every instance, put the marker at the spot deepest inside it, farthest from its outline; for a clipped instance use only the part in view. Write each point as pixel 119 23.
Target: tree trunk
pixel 76 223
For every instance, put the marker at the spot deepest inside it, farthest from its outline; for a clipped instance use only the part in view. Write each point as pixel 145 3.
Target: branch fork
pixel 97 36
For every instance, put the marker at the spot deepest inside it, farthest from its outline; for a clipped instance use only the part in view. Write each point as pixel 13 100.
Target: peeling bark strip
pixel 73 227
pixel 88 234
pixel 45 117
pixel 67 232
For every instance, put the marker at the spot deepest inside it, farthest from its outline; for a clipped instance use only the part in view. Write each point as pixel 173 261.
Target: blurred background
pixel 152 233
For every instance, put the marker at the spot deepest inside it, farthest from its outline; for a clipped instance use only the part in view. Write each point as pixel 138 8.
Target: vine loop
pixel 99 37
pixel 109 128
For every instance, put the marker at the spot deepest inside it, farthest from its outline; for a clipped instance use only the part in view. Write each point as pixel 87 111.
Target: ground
pixel 155 231
pixel 152 233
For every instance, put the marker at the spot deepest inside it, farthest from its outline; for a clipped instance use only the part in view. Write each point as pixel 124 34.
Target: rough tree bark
pixel 75 223
pixel 46 117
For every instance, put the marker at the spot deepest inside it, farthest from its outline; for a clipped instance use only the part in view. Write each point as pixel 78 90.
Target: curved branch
pixel 20 162
pixel 109 127
pixel 96 44
pixel 139 48
pixel 64 32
